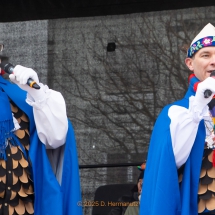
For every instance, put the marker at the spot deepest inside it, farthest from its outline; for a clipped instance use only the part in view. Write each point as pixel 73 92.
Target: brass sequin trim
pixel 16 193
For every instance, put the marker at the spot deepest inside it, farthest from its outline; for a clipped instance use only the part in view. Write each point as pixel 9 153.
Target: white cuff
pixel 197 111
pixel 37 98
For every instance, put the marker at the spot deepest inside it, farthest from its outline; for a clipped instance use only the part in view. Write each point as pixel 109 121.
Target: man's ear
pixel 189 63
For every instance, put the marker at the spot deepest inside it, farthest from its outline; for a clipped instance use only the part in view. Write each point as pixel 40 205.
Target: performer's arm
pixel 185 122
pixel 183 128
pixel 48 107
pixel 50 117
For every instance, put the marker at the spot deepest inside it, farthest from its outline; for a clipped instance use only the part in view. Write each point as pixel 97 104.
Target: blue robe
pixel 50 197
pixel 161 194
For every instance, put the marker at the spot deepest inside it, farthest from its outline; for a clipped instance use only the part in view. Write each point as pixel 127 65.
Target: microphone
pixel 8 68
pixel 208 93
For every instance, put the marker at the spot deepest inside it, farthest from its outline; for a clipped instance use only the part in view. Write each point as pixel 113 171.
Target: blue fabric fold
pixel 161 193
pixel 6 124
pixel 50 197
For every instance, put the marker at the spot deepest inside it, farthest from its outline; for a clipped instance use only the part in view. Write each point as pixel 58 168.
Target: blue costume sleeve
pixel 160 193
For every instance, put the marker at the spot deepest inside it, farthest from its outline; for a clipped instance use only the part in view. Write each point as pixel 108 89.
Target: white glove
pixel 200 102
pixel 20 77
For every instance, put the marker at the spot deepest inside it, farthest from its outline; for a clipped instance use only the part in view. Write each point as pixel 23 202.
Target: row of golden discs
pixel 23 177
pixel 206 189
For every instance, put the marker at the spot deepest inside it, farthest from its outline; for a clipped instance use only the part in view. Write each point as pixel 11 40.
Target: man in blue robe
pixel 179 176
pixel 39 171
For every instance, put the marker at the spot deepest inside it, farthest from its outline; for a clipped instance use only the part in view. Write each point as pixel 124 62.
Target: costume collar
pixel 193 83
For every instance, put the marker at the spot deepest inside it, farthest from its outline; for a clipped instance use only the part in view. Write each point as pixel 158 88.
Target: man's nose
pixel 213 60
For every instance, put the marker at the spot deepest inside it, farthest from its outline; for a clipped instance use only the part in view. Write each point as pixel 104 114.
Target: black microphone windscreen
pixel 8 68
pixel 212 74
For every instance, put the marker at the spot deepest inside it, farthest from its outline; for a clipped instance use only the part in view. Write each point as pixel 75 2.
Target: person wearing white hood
pixel 179 177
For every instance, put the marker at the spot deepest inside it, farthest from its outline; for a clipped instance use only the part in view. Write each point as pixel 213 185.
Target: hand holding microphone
pixel 26 79
pixel 205 92
pixel 208 92
pixel 22 76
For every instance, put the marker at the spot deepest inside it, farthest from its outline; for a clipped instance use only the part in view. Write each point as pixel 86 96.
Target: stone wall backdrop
pixel 113 96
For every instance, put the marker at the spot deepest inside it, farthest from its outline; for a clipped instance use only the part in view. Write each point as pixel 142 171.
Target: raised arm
pixel 48 107
pixel 185 122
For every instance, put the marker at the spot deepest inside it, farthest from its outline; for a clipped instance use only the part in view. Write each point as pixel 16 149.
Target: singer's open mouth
pixel 210 71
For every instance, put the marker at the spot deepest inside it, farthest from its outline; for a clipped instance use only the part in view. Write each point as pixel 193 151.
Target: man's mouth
pixel 210 71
